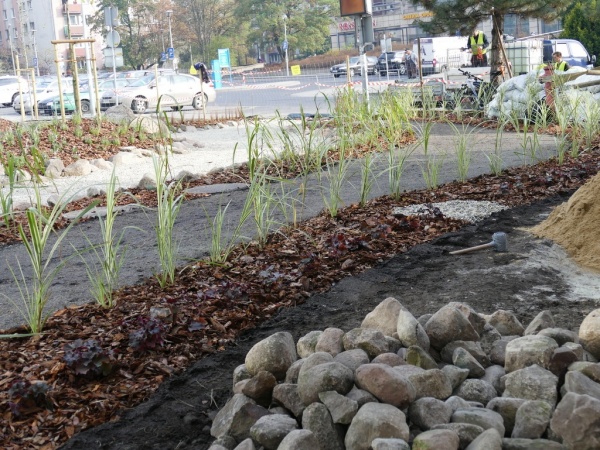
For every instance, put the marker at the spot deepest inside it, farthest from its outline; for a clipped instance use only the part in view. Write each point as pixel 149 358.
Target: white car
pixel 9 88
pixel 174 90
pixel 44 89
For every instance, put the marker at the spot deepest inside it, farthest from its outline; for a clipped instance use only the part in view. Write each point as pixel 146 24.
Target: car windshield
pixel 354 60
pixel 144 81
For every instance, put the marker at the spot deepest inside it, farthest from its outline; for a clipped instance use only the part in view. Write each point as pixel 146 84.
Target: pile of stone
pixel 451 380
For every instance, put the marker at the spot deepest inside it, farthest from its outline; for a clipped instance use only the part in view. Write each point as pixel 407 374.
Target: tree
pixel 202 21
pixel 141 25
pixel 582 22
pixel 464 15
pixel 307 22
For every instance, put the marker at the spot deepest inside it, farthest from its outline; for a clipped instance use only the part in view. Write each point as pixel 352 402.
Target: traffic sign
pixel 224 57
pixel 163 57
pixel 171 53
pixel 113 39
pixel 35 61
pixel 285 45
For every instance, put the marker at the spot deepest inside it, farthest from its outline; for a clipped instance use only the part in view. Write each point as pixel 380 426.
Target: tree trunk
pixel 496 59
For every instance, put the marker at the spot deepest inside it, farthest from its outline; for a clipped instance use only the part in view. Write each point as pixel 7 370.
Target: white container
pixel 525 56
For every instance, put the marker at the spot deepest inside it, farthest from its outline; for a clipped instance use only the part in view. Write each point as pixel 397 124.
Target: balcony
pixel 76 31
pixel 79 53
pixel 74 9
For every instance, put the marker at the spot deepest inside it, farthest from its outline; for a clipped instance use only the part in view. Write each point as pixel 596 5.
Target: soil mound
pixel 574 225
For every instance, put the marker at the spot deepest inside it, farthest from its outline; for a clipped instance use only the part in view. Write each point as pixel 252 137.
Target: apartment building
pixel 27 28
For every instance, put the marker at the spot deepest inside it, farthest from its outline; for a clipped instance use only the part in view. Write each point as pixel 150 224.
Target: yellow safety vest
pixel 560 66
pixel 479 42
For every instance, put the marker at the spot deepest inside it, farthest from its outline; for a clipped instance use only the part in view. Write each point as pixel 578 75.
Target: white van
pixel 441 53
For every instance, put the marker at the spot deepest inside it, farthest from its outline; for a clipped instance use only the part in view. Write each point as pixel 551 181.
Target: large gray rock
pixel 341 408
pixel 375 420
pixel 449 324
pixel 317 419
pixel 236 418
pixel 494 375
pixel 384 317
pixel 589 333
pixel 79 168
pixel 474 349
pixel 330 341
pixel 576 421
pixel 488 440
pixel 410 331
pixel 54 168
pixel 300 440
pixel 119 114
pixel 417 356
pixel 532 419
pixel 371 341
pixel 286 394
pixel 475 390
pixel 274 354
pixel 506 323
pixel 485 418
pixel 314 360
pixel 150 125
pixel 476 319
pixel 543 320
pixel 386 384
pixel 428 412
pixel 330 376
pixel 578 383
pixel 438 439
pixel 488 337
pixel 464 360
pixel 467 432
pixel 455 375
pixel 531 444
pixel 352 359
pixel 270 430
pixel 531 383
pixel 389 444
pixel 307 343
pixel 260 388
pixel 507 407
pixel 360 396
pixel 528 350
pixel 560 335
pixel 431 383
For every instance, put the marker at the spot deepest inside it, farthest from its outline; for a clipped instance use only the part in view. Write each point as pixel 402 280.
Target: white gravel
pixel 469 210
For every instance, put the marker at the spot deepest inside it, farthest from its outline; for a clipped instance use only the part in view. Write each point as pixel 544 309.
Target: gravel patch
pixel 468 210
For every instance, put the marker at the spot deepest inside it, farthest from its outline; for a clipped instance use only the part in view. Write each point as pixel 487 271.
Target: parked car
pixel 44 89
pixel 392 62
pixel 51 105
pixel 355 67
pixel 175 91
pixel 9 88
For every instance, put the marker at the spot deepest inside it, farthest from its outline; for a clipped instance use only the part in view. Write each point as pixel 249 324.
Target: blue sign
pixel 171 53
pixel 163 57
pixel 285 45
pixel 217 78
pixel 224 57
pixel 35 61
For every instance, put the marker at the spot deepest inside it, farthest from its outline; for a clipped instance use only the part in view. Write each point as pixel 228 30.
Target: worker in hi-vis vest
pixel 478 44
pixel 559 64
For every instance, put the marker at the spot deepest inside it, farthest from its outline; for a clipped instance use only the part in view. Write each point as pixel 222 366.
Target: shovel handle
pixel 472 249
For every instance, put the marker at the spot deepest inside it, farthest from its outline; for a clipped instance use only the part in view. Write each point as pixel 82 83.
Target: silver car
pixel 9 88
pixel 174 90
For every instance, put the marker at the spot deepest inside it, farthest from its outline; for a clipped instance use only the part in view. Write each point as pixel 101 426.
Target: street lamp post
pixel 169 14
pixel 35 55
pixel 285 45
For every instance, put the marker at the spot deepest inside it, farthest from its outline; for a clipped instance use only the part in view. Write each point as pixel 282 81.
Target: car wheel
pixel 85 106
pixel 402 69
pixel 139 105
pixel 13 99
pixel 335 76
pixel 197 102
pixel 383 73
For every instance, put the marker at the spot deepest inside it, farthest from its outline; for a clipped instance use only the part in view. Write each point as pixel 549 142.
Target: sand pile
pixel 575 225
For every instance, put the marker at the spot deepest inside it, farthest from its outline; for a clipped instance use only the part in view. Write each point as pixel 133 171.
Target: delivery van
pixel 573 52
pixel 441 53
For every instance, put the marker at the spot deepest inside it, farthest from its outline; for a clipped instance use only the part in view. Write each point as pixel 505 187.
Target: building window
pixel 12 12
pixel 5 15
pixel 32 26
pixel 29 4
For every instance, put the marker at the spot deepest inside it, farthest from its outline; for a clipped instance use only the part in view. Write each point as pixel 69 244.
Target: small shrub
pixel 149 334
pixel 25 396
pixel 87 358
